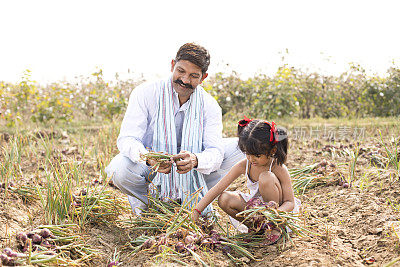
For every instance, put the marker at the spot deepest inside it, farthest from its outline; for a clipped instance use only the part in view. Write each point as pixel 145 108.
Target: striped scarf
pixel 174 185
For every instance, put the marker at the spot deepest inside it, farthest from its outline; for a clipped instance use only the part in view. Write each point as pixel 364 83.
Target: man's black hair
pixel 194 53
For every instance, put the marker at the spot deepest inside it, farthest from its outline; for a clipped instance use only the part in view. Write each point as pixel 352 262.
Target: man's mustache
pixel 187 85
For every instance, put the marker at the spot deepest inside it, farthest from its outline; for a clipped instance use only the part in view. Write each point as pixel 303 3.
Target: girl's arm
pixel 287 190
pixel 238 169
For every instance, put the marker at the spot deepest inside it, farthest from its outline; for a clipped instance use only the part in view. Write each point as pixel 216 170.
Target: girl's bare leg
pixel 232 203
pixel 271 190
pixel 270 187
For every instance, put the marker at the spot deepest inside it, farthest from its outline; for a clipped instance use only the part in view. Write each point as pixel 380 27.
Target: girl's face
pixel 258 160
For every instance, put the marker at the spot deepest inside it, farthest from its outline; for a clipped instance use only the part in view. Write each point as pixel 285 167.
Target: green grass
pixel 392 152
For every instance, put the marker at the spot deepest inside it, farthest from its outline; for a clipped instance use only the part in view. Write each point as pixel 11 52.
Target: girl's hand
pixel 195 215
pixel 272 204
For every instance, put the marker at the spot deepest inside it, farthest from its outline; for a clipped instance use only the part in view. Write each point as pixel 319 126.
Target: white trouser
pixel 133 178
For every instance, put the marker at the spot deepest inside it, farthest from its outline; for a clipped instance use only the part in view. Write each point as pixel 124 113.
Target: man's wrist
pixel 195 162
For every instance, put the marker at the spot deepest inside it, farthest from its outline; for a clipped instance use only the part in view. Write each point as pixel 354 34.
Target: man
pixel 176 116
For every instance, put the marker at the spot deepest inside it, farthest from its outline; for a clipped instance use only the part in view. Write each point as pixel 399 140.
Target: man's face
pixel 186 76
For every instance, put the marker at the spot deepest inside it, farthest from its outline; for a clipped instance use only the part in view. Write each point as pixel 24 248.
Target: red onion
pixel 21 237
pixel 8 251
pixel 190 239
pixel 15 254
pixel 5 260
pixel 346 185
pixel 113 263
pixel 192 247
pixel 12 254
pixel 45 233
pixel 148 243
pixel 36 239
pixel 30 234
pixel 180 247
pixel 254 202
pixel 257 220
pixel 179 234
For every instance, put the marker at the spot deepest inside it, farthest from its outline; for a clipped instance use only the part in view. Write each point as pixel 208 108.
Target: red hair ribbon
pixel 273 132
pixel 245 121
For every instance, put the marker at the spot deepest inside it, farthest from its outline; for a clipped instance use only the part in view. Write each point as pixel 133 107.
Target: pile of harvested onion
pixel 58 244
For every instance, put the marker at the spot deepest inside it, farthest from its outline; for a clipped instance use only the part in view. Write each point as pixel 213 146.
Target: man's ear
pixel 173 65
pixel 204 76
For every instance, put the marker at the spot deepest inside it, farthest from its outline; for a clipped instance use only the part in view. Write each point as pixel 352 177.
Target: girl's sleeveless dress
pixel 254 192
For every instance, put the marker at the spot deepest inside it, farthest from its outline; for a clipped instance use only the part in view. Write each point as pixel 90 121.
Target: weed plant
pixel 392 153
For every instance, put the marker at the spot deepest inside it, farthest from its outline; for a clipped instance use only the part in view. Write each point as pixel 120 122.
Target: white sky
pixel 62 39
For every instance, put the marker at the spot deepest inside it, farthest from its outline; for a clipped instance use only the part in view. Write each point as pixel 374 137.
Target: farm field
pixel 345 172
pixel 314 85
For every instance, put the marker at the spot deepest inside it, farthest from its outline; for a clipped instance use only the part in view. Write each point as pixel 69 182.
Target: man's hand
pixel 165 167
pixel 185 161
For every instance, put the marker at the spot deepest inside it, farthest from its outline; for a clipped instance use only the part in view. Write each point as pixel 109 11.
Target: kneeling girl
pixel 265 147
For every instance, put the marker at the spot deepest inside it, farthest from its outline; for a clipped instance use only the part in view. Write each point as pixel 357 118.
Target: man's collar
pixel 185 105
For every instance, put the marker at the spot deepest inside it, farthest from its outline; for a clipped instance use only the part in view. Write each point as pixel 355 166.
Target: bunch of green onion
pixel 158 157
pixel 50 244
pixel 262 216
pixel 169 230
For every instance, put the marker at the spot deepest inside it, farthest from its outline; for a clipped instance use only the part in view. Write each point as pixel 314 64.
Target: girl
pixel 265 147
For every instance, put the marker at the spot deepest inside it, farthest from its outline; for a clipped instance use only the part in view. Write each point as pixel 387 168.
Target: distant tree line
pixel 289 92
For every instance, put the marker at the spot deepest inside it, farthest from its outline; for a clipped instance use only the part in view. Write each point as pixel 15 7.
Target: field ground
pixel 355 226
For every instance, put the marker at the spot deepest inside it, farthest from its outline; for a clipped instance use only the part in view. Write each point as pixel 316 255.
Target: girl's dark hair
pixel 254 139
pixel 195 54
